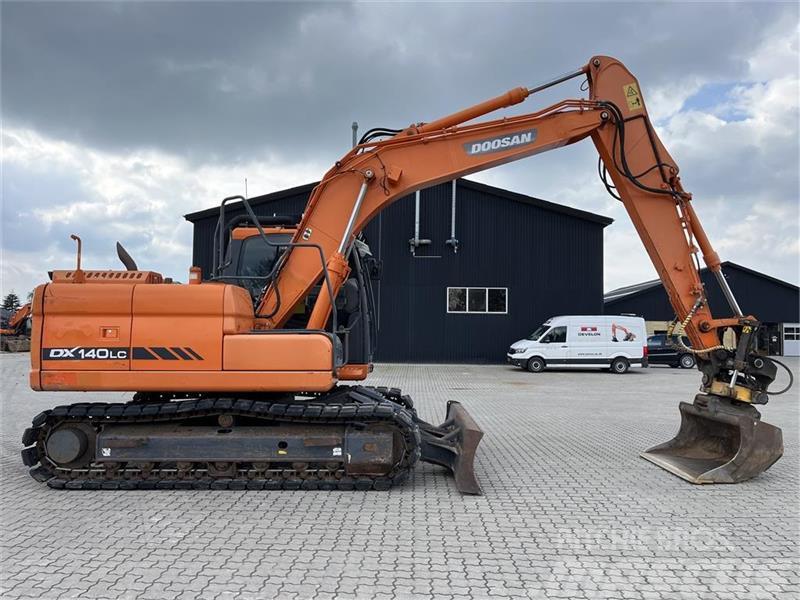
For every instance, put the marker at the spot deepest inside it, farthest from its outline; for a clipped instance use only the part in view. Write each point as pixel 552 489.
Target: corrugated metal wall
pixel 551 262
pixel 769 300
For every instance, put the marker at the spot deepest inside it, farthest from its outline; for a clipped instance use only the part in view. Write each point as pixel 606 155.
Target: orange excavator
pixel 15 336
pixel 238 379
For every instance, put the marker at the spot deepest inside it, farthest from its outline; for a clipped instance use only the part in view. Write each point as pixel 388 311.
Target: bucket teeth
pixel 718 442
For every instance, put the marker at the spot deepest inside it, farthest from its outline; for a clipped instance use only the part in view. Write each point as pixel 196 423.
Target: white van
pixel 604 341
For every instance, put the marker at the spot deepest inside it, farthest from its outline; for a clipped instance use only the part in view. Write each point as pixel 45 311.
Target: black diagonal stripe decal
pixel 164 354
pixel 143 354
pixel 181 353
pixel 193 353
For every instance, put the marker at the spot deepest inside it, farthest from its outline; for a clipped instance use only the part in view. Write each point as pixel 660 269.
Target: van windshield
pixel 539 332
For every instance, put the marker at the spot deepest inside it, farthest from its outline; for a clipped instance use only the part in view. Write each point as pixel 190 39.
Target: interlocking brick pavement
pixel 569 511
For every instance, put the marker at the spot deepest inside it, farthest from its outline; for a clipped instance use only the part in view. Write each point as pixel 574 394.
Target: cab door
pixel 556 349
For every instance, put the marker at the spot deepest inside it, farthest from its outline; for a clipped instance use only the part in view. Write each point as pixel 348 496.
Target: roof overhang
pixel 467 183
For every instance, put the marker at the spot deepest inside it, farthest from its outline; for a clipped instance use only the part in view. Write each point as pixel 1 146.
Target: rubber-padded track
pixel 342 406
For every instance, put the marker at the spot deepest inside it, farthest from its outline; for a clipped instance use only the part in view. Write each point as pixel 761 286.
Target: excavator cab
pixel 250 263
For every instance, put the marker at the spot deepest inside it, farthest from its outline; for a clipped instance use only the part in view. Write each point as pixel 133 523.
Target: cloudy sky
pixel 117 119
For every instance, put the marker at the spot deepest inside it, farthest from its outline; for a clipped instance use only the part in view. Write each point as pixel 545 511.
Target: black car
pixel 664 351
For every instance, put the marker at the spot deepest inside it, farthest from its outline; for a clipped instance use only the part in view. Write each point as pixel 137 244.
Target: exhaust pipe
pixel 719 441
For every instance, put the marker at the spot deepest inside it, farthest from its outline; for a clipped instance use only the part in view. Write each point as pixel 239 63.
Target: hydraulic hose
pixel 791 378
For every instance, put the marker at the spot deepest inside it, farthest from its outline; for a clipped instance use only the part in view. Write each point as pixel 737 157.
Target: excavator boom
pixel 427 154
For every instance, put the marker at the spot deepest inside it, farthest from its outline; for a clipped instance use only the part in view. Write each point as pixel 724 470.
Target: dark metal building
pixel 776 303
pixel 465 274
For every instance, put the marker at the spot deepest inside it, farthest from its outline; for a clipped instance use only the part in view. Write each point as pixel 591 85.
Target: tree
pixel 11 302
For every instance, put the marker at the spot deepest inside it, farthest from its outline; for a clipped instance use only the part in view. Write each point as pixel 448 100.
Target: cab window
pixel 256 259
pixel 556 335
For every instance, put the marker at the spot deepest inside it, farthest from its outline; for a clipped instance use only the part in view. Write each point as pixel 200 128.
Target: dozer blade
pixel 453 445
pixel 719 442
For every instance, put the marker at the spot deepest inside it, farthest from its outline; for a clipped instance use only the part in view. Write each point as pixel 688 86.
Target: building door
pixel 769 339
pixel 791 339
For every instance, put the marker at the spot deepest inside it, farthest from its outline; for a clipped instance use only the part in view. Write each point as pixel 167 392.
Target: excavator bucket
pixel 718 442
pixel 453 445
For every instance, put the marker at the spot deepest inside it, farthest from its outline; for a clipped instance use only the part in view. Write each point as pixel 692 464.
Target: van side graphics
pixel 587 361
pixel 586 331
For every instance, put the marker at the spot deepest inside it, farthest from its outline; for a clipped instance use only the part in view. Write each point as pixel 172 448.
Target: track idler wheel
pixel 71 445
pixel 719 441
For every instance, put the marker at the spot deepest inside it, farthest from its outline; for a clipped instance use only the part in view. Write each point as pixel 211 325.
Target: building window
pixel 477 300
pixel 791 333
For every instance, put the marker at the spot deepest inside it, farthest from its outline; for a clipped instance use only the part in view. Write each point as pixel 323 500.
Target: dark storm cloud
pixel 223 81
pixel 119 118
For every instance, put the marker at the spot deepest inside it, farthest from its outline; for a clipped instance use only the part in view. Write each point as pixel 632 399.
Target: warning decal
pixel 633 96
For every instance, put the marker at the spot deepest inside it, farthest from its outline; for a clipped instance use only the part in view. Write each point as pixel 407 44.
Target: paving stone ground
pixel 569 511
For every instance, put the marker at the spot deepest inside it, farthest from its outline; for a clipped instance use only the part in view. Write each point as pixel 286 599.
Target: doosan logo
pixel 503 142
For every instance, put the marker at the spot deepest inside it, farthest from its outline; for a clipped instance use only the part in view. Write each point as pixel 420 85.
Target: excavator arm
pixel 636 168
pixel 14 336
pixel 18 318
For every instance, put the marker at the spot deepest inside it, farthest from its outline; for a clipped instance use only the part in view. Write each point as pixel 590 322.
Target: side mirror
pixel 544 340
